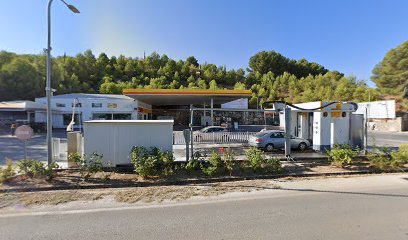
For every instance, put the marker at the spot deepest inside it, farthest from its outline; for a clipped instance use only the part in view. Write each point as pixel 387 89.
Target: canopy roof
pixel 21 106
pixel 185 96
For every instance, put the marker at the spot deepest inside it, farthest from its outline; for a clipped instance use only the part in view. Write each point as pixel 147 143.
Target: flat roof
pixel 185 96
pixel 21 106
pixel 88 96
pixel 130 121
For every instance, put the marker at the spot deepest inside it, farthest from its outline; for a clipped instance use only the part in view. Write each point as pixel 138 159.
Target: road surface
pixel 387 139
pixel 374 207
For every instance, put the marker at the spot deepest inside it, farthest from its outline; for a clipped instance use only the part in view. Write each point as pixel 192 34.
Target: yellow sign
pixel 112 105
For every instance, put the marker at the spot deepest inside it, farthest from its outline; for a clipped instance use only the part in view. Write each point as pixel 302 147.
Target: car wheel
pixel 302 146
pixel 269 147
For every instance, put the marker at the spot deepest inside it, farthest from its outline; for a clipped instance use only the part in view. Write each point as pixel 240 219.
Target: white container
pixel 114 139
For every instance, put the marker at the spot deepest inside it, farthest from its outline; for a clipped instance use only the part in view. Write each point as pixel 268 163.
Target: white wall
pixel 115 138
pixel 378 109
pixel 241 103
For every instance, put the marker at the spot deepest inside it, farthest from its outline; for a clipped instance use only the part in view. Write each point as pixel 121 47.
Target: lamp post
pixel 48 89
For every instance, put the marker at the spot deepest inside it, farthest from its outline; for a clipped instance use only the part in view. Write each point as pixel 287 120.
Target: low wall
pixel 397 124
pixel 115 139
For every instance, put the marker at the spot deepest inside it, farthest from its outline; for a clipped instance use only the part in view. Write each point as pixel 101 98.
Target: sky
pixel 346 35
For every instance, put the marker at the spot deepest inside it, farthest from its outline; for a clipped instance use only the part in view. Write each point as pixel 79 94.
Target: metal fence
pixel 215 137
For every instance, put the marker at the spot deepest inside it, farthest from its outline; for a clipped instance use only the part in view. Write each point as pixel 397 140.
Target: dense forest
pixel 270 76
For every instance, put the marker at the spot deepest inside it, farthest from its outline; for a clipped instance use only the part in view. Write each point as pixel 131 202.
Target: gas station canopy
pixel 185 96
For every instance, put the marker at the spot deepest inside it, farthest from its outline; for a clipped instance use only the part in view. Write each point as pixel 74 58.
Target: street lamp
pixel 48 89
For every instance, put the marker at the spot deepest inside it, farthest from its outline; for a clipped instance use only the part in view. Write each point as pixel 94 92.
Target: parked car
pixel 274 139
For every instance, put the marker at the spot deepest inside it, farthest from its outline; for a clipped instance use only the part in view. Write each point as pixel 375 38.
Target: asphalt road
pixel 389 139
pixel 350 208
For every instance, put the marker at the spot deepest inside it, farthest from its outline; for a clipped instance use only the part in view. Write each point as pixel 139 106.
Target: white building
pixel 13 111
pixel 92 107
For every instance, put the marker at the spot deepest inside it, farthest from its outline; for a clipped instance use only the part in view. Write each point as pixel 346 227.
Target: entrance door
pixel 299 125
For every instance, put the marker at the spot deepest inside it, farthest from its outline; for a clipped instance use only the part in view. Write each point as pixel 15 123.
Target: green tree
pixel 391 74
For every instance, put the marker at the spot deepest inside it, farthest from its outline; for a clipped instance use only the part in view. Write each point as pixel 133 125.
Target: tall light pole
pixel 48 89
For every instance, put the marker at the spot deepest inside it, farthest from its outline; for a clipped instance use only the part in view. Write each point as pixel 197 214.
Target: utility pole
pixel 48 89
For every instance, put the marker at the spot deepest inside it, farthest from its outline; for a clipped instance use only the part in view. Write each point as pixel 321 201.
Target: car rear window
pixel 260 134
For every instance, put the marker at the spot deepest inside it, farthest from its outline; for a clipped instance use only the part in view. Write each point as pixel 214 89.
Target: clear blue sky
pixel 346 35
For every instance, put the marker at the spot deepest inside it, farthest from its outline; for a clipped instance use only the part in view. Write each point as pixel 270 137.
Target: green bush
pixel 194 163
pixel 153 162
pixel 273 165
pixel 215 165
pixel 35 168
pixel 401 155
pixel 8 172
pixel 384 159
pixel 90 164
pixel 341 155
pixel 74 157
pixel 260 164
pixel 229 160
pixel 256 158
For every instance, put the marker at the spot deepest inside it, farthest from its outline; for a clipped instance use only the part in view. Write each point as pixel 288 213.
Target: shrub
pixel 153 162
pixel 229 160
pixel 35 168
pixel 215 165
pixel 8 172
pixel 195 162
pixel 342 154
pixel 74 157
pixel 90 164
pixel 273 165
pixel 401 155
pixel 260 164
pixel 256 158
pixel 384 159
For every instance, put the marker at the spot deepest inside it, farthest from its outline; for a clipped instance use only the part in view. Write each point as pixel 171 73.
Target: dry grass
pixel 133 195
pixel 47 198
pixel 177 193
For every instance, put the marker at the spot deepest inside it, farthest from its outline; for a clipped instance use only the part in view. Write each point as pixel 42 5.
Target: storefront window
pixel 68 117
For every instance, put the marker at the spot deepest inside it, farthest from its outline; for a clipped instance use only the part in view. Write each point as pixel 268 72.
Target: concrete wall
pixel 378 109
pixel 241 103
pixel 115 138
pixel 393 125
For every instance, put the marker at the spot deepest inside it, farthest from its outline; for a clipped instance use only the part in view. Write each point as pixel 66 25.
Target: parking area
pixel 13 149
